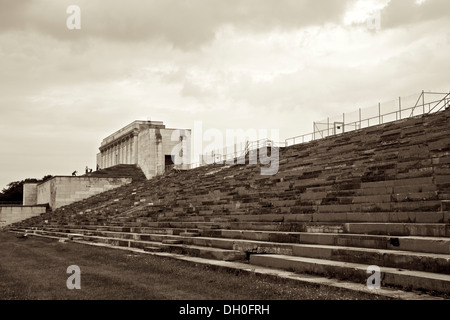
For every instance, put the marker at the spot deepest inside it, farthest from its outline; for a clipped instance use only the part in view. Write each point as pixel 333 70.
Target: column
pixel 119 152
pixel 102 159
pixel 111 149
pixel 127 150
pixel 135 148
pixel 115 153
pixel 122 151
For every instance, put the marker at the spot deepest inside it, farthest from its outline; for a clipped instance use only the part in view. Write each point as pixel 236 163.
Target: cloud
pixel 183 24
pixel 408 12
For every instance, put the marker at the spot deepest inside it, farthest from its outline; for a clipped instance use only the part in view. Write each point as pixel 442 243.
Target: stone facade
pixel 147 144
pixel 60 191
pixel 29 194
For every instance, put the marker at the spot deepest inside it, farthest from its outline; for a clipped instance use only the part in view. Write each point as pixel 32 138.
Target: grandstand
pixel 373 196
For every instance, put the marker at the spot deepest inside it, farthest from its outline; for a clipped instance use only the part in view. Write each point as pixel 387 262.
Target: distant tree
pixel 47 177
pixel 14 190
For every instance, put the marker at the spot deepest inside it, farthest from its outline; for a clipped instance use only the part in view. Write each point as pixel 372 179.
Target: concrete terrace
pixel 377 196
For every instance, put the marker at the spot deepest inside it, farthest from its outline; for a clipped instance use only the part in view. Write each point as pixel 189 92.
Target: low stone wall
pixel 60 191
pixel 12 214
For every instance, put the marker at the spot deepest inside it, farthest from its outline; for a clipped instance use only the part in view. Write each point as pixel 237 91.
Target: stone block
pixel 330 217
pixel 414 181
pixel 307 217
pixel 442 179
pixel 377 184
pixel 429 217
pixel 368 217
pixel 445 206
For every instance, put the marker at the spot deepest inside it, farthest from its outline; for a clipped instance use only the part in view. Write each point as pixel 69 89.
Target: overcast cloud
pixel 271 64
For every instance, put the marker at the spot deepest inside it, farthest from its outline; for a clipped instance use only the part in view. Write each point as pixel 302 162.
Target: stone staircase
pixel 378 196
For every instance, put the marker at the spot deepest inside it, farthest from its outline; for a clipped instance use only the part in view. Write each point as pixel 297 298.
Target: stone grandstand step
pixel 324 227
pixel 75 236
pixel 400 229
pixel 403 243
pixel 204 252
pixel 168 245
pixel 152 230
pixel 189 234
pixel 153 249
pixel 172 241
pixel 250 239
pixel 395 217
pixel 436 263
pixel 407 243
pixel 423 206
pixel 356 272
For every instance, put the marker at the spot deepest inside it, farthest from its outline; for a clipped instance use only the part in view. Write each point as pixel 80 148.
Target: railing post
pixel 314 131
pixel 343 122
pixel 328 126
pixel 399 108
pixel 379 112
pixel 359 118
pixel 423 101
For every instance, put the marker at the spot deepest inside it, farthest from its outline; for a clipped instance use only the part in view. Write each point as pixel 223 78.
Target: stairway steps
pixel 356 272
pixel 172 241
pixel 189 234
pixel 439 245
pixel 437 263
pixel 413 260
pixel 204 252
pixel 377 196
pixel 400 229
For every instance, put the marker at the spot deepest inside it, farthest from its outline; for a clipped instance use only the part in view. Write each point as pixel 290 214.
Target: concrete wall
pixel 29 194
pixel 9 215
pixel 169 145
pixel 146 155
pixel 153 145
pixel 98 160
pixel 44 191
pixel 60 191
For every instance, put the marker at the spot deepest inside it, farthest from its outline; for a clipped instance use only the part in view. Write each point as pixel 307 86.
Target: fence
pixel 393 110
pixel 385 112
pixel 239 152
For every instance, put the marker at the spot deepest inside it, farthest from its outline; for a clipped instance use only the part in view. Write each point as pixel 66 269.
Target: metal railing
pixel 236 156
pixel 426 103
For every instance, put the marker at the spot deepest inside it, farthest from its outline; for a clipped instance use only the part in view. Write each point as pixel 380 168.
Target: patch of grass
pixel 35 268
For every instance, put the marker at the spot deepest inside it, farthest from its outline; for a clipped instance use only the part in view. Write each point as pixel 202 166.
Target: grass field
pixel 36 269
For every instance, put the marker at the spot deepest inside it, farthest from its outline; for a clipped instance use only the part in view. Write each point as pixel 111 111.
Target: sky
pixel 67 83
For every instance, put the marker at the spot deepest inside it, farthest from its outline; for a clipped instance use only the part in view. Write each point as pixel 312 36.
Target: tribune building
pixel 147 144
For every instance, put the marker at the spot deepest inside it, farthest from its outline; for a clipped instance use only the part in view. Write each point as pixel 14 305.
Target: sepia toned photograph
pixel 220 159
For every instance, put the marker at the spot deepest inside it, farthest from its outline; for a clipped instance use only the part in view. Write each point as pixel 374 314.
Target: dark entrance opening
pixel 168 162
